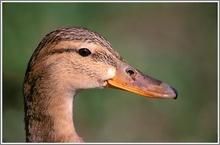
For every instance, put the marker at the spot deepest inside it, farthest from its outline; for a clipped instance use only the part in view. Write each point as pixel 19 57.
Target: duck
pixel 67 61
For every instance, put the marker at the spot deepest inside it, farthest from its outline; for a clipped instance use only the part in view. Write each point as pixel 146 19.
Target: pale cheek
pixel 111 72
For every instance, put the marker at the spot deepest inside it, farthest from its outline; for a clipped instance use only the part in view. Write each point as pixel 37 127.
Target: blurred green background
pixel 173 42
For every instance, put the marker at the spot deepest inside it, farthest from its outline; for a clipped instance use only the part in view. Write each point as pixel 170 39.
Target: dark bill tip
pixel 175 91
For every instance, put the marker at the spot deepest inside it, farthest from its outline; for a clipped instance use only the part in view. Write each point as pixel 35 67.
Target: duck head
pixel 83 59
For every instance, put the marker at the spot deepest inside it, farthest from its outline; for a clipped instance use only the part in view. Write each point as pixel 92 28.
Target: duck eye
pixel 84 52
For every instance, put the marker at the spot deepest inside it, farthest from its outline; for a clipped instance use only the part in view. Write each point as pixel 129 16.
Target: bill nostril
pixel 131 73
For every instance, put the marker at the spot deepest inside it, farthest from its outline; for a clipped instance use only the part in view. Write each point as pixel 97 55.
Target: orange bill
pixel 132 80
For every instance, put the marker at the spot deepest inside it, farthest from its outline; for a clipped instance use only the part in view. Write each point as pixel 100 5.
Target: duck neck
pixel 49 115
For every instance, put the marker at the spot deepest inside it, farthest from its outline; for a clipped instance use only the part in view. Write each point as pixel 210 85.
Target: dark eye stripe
pixel 103 57
pixel 58 51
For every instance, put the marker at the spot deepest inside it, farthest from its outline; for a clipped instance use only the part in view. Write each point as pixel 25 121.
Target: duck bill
pixel 132 80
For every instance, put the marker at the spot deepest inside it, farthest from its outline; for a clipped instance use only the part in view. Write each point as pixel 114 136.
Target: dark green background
pixel 173 42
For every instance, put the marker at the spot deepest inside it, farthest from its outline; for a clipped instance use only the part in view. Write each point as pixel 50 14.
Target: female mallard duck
pixel 65 62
